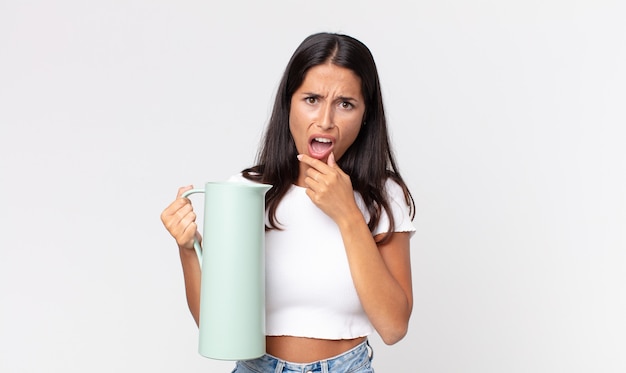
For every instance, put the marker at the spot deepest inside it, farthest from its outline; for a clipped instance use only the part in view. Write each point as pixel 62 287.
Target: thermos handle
pixel 196 244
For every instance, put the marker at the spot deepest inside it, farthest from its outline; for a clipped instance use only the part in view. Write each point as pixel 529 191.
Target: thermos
pixel 232 258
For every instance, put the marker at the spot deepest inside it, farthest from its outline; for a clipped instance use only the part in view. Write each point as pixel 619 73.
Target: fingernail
pixel 299 157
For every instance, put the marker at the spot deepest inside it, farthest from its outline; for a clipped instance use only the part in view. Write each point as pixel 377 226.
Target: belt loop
pixel 279 366
pixel 324 365
pixel 370 350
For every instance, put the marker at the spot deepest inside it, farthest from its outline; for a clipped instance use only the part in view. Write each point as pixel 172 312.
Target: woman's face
pixel 326 112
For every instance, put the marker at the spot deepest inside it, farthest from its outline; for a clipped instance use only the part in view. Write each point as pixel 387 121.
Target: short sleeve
pixel 237 178
pixel 399 209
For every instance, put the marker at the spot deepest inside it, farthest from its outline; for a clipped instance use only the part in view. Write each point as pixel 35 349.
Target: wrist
pixel 351 220
pixel 186 250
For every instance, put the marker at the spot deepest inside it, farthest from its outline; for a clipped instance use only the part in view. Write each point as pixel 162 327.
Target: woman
pixel 339 216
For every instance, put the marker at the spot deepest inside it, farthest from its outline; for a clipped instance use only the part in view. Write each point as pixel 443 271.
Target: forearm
pixel 387 303
pixel 192 274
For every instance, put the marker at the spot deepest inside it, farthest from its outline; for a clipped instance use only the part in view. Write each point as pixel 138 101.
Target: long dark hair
pixel 369 160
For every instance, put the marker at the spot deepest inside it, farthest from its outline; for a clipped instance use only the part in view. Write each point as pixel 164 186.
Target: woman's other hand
pixel 330 188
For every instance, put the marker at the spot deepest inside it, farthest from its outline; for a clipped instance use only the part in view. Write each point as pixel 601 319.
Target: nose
pixel 326 118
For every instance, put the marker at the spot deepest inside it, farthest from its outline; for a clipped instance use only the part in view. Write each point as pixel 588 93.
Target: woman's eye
pixel 346 105
pixel 311 100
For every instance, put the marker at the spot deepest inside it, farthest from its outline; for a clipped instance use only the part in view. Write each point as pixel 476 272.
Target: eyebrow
pixel 346 98
pixel 342 98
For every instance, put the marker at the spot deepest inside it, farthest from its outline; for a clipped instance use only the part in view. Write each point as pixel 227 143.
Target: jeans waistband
pixel 348 361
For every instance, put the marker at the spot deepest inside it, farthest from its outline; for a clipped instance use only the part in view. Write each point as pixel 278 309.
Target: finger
pixel 331 160
pixel 315 163
pixel 172 217
pixel 182 190
pixel 314 174
pixel 178 203
pixel 188 234
pixel 185 209
pixel 175 207
pixel 332 163
pixel 183 228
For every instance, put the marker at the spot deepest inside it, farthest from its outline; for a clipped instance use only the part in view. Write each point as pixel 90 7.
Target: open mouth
pixel 320 147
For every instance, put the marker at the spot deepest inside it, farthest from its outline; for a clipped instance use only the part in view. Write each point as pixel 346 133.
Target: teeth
pixel 321 139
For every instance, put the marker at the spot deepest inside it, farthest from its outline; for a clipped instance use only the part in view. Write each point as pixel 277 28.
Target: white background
pixel 508 121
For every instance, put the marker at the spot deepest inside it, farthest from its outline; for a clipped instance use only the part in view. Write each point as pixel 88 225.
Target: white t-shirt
pixel 309 289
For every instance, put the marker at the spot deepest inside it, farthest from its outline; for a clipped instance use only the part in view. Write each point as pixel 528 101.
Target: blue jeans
pixel 356 360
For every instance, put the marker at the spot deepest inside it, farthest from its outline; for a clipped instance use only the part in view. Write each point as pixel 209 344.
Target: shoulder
pixel 394 191
pixel 399 207
pixel 239 178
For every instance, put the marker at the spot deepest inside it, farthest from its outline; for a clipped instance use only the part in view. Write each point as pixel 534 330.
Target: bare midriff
pixel 306 350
